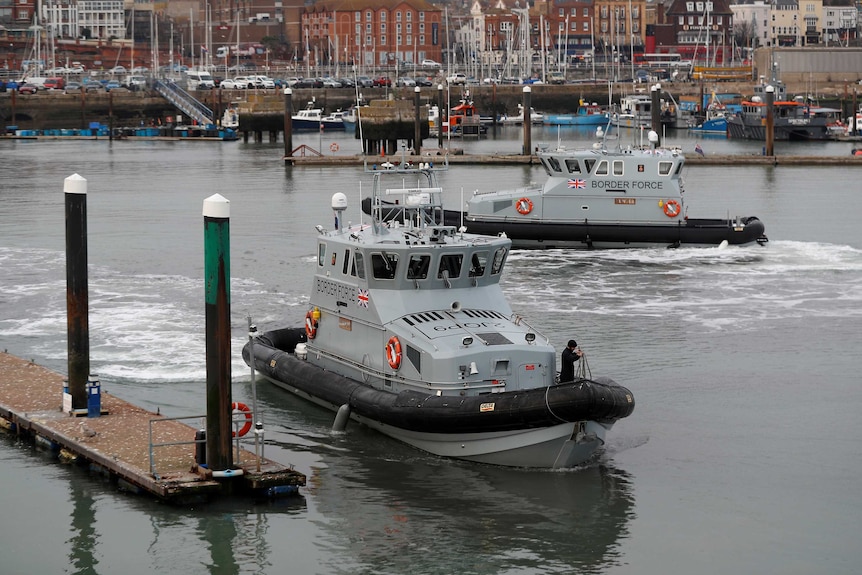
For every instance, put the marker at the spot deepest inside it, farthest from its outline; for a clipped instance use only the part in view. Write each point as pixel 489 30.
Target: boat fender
pixel 393 352
pixel 237 406
pixel 524 206
pixel 672 208
pixel 312 319
pixel 341 418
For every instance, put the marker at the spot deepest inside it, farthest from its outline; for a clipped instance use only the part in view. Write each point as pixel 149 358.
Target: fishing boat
pixel 796 119
pixel 230 118
pixel 408 332
pixel 588 114
pixel 312 118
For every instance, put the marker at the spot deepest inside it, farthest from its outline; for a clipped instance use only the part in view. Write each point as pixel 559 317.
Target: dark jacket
pixel 567 371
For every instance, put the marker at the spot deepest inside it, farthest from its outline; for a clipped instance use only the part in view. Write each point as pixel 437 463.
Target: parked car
pixel 556 78
pixel 381 81
pixel 347 82
pixel 331 83
pixel 457 78
pixel 364 82
pixel 265 81
pixel 427 63
pixel 405 82
pixel 118 70
pixel 112 85
pixel 55 84
pixel 233 84
pixel 27 88
pixel 73 88
pixel 423 81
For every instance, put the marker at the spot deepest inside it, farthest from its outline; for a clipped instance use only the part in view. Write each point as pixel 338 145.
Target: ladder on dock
pixel 185 102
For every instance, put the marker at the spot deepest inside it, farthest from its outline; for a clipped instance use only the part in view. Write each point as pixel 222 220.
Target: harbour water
pixel 742 455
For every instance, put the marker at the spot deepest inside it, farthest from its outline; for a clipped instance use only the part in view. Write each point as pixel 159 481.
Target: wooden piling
pixel 77 298
pixel 216 213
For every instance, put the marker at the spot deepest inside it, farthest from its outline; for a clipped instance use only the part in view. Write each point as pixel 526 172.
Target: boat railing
pixel 420 385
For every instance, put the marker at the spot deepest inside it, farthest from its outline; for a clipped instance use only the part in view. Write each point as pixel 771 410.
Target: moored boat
pixel 795 119
pixel 408 332
pixel 312 118
pixel 588 114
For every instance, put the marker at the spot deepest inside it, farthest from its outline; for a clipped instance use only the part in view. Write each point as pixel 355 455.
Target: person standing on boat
pixel 570 355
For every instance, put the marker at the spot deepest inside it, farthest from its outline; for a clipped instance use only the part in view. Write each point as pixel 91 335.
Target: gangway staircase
pixel 185 102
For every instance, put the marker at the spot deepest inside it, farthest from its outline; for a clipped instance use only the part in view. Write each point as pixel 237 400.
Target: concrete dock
pixel 119 443
pixel 434 155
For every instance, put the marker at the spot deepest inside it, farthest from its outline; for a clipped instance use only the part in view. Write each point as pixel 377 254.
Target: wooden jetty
pixel 143 452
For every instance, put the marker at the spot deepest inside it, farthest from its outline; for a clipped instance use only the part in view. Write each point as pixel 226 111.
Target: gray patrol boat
pixel 409 333
pixel 600 197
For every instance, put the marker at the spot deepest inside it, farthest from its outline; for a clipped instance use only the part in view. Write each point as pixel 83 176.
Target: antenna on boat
pixel 339 204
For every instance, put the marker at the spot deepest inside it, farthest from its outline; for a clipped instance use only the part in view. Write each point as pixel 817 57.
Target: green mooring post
pixel 77 296
pixel 217 277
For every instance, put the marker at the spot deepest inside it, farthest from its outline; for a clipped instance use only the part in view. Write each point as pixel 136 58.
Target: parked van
pixel 198 80
pixel 55 84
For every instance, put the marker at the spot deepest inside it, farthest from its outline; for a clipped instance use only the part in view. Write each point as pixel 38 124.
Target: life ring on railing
pixel 524 206
pixel 310 325
pixel 333 147
pixel 672 208
pixel 237 406
pixel 393 352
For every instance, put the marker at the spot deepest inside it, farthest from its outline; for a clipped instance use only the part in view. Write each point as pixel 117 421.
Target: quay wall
pixel 49 110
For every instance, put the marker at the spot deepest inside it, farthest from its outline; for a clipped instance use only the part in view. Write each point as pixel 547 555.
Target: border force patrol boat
pixel 409 333
pixel 597 197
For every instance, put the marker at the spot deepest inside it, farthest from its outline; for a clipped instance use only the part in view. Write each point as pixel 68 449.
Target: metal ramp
pixel 185 102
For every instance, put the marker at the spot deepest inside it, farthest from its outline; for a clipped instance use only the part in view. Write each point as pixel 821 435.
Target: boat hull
pixel 591 234
pixel 300 125
pixel 558 426
pixel 576 120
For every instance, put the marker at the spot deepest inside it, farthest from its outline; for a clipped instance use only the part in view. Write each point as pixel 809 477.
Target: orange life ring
pixel 393 352
pixel 671 208
pixel 524 206
pixel 310 325
pixel 333 147
pixel 248 417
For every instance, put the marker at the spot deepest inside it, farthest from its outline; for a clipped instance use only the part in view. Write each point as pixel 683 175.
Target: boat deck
pixel 118 442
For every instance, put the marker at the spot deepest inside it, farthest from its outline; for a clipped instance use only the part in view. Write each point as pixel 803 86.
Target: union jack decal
pixel 579 184
pixel 362 297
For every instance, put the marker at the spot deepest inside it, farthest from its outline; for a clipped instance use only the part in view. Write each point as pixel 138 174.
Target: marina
pixel 734 356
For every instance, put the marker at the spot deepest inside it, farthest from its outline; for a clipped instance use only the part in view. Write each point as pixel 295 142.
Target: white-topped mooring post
pixel 77 295
pixel 216 211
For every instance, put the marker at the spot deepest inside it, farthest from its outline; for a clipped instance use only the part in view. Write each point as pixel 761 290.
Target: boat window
pixel 678 168
pixel 478 261
pixel 589 165
pixel 602 170
pixel 555 165
pixel 546 166
pixel 321 254
pixel 664 168
pixel 418 267
pixel 451 264
pixel 573 166
pixel 618 167
pixel 358 265
pixel 384 265
pixel 344 267
pixel 499 258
